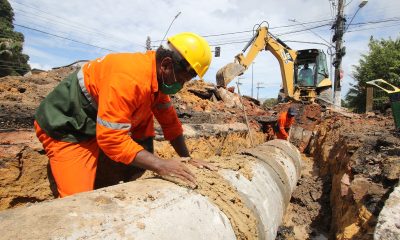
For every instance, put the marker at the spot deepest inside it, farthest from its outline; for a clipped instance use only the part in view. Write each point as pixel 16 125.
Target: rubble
pixel 352 160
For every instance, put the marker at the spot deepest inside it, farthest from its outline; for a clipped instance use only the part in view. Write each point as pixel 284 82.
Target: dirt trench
pixel 352 164
pixel 351 161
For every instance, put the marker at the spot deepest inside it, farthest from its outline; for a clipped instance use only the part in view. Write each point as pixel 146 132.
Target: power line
pixel 395 19
pixel 5 67
pixel 10 63
pixel 283 26
pixel 79 49
pixel 247 31
pixel 243 40
pixel 56 19
pixel 348 3
pixel 11 66
pixel 308 42
pixel 67 22
pixel 27 22
pixel 46 21
pixel 361 25
pixel 279 34
pixel 294 20
pixel 220 44
pixel 292 25
pixel 302 30
pixel 72 40
pixel 364 29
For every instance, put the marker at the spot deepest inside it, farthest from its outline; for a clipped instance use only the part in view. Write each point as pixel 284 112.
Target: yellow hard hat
pixel 194 49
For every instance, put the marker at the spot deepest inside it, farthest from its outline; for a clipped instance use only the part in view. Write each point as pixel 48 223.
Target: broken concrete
pixel 388 226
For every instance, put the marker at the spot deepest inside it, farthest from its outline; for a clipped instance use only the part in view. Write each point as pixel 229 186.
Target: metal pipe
pixel 157 209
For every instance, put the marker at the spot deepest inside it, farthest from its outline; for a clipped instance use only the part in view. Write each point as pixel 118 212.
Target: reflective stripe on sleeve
pixel 84 90
pixel 163 105
pixel 115 126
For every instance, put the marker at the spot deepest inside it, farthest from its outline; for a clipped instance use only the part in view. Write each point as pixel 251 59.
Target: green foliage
pixel 344 103
pixel 12 60
pixel 382 61
pixel 270 102
pixel 6 12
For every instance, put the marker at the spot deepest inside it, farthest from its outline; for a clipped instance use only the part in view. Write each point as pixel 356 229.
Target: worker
pixel 109 105
pixel 284 123
pixel 306 76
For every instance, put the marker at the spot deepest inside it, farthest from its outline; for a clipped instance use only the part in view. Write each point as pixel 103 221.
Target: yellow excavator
pixel 304 72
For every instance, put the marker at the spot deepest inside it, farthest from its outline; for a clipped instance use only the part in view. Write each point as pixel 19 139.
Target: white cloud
pixel 39 66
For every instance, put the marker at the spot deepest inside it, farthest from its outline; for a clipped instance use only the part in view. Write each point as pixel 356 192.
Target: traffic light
pixel 217 51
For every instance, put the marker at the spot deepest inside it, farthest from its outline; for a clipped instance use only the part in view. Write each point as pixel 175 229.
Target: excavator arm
pixel 262 40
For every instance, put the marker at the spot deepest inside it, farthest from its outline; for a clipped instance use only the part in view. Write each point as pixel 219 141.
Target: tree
pixel 382 61
pixel 270 102
pixel 12 60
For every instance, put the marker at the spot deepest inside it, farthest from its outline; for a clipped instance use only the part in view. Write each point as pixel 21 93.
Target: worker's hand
pixel 200 163
pixel 170 169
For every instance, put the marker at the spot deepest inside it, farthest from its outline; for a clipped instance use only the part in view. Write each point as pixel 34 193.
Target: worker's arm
pixel 166 115
pixel 162 167
pixel 117 102
pixel 180 147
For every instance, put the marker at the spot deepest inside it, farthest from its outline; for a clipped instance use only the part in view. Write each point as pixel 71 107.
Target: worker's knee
pixel 74 166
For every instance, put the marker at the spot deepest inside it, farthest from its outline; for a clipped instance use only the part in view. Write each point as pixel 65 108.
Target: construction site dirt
pixel 351 162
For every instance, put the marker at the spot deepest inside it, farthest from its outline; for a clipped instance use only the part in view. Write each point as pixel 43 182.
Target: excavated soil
pixel 351 167
pixel 351 161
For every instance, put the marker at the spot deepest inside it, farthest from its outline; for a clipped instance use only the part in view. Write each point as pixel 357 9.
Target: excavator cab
pixel 310 67
pixel 311 74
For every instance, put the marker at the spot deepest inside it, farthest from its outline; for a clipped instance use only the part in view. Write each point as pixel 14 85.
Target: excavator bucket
pixel 227 73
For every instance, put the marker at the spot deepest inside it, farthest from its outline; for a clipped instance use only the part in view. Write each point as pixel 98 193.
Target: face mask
pixel 170 89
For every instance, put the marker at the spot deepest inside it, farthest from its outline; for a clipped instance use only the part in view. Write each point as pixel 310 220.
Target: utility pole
pixel 238 81
pixel 258 88
pixel 338 37
pixel 252 80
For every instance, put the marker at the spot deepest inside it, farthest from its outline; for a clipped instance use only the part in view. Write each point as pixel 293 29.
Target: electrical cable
pixel 56 19
pixel 348 3
pixel 73 40
pixel 90 33
pixel 302 30
pixel 247 31
pixel 359 30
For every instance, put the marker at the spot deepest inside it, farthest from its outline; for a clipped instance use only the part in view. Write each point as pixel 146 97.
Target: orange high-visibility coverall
pixel 284 123
pixel 125 89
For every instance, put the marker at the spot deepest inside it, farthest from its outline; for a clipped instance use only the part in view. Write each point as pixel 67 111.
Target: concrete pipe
pixel 157 209
pixel 388 226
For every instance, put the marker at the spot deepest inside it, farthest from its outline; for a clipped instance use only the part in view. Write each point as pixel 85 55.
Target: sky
pixel 58 33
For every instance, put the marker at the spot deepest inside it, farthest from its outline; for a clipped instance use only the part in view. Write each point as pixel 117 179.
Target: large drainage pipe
pixel 388 226
pixel 157 209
